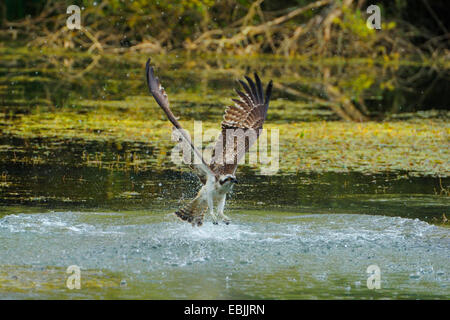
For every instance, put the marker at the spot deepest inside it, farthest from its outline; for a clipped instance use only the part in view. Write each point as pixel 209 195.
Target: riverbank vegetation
pixel 301 27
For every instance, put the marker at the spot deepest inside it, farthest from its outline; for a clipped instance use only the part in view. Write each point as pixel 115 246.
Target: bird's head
pixel 227 179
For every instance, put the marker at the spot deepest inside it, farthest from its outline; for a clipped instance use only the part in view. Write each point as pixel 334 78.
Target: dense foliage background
pixel 287 27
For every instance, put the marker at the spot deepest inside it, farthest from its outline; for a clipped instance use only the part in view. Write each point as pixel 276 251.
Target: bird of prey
pixel 245 117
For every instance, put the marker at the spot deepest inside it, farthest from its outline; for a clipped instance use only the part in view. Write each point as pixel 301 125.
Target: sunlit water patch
pixel 266 255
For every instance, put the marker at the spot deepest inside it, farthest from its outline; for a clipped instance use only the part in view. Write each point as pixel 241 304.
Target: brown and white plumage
pixel 248 113
pixel 245 117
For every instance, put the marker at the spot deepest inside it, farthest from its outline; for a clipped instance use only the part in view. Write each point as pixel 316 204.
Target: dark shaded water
pixel 47 79
pixel 55 187
pixel 55 175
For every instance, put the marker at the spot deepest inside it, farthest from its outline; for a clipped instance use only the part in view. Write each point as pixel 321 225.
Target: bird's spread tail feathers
pixel 193 212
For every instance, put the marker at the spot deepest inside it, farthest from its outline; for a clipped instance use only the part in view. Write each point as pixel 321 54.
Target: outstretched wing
pixel 242 123
pixel 160 96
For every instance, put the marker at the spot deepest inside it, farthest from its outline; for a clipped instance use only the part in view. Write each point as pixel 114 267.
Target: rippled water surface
pixel 262 254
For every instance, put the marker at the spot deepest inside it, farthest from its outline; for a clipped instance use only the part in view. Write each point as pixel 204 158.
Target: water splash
pixel 321 248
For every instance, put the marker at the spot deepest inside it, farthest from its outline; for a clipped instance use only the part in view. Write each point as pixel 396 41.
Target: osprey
pixel 246 117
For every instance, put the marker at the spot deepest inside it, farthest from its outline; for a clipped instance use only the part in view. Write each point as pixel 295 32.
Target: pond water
pixel 291 237
pixel 262 254
pixel 79 187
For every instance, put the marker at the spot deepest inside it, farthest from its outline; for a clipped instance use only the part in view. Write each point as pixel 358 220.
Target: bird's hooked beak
pixel 234 180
